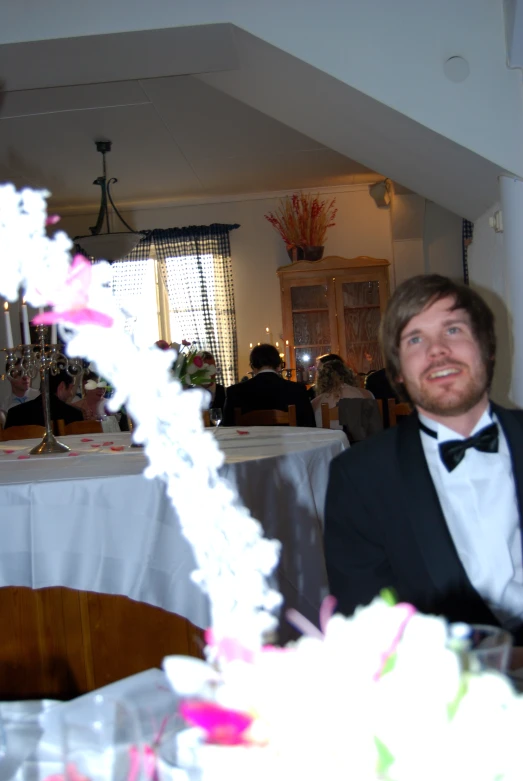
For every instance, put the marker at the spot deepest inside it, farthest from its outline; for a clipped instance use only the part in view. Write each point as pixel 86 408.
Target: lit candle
pixel 54 340
pixel 25 323
pixel 269 335
pixel 250 345
pixel 8 330
pixel 277 344
pixel 287 354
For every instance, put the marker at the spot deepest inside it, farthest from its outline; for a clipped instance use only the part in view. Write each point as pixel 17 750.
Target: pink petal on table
pixel 243 432
pixel 118 447
pixel 8 451
pixel 52 219
pixel 21 457
pixel 86 439
pixel 96 444
pixel 106 444
pixel 74 454
pixel 223 726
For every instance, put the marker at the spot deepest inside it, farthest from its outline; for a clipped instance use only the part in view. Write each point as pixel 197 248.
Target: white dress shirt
pixel 479 503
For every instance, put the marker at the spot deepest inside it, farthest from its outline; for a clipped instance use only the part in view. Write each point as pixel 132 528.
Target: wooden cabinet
pixel 333 305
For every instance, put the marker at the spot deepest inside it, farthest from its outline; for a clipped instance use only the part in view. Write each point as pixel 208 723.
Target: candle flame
pixel 6 306
pixel 267 329
pixel 287 342
pixel 23 300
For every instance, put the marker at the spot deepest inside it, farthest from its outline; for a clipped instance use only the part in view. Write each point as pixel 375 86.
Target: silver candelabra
pixel 26 361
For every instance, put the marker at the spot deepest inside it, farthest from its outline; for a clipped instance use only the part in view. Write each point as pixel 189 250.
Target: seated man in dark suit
pixel 433 508
pixel 267 390
pixel 61 390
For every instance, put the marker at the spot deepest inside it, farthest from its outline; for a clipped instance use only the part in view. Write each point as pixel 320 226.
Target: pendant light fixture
pixel 107 245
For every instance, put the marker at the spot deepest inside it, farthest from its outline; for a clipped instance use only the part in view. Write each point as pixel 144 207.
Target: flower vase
pixel 312 253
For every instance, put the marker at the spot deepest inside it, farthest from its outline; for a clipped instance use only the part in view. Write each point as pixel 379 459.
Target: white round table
pixel 90 520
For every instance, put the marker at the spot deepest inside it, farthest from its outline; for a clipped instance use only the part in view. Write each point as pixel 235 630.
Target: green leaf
pixel 389 664
pixel 385 758
pixel 452 707
pixel 389 596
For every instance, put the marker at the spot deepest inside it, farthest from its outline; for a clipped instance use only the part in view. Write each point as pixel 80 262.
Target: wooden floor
pixel 59 643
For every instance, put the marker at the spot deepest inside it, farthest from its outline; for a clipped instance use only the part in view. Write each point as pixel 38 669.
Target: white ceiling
pixel 174 137
pixel 210 111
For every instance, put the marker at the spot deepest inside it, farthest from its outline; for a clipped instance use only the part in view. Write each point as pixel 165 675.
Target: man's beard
pixel 453 402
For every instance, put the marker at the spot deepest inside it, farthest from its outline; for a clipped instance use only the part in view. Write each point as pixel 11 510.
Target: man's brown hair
pixel 416 294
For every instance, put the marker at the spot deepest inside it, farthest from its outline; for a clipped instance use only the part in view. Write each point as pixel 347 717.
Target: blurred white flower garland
pixel 234 560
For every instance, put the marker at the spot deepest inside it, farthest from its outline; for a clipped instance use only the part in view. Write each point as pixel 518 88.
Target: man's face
pixel 20 385
pixel 65 392
pixel 441 363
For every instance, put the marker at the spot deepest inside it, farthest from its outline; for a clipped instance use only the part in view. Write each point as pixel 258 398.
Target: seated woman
pixel 92 403
pixel 335 381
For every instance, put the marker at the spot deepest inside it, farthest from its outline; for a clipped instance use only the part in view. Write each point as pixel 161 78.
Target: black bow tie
pixel 452 452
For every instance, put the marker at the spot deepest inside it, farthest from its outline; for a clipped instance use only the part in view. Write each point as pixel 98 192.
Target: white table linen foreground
pixel 89 520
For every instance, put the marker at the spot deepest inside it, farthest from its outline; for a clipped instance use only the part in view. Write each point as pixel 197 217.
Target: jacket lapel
pixel 513 430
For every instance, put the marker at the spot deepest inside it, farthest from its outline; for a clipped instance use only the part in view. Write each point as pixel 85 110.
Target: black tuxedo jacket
pixel 32 413
pixel 268 391
pixel 384 526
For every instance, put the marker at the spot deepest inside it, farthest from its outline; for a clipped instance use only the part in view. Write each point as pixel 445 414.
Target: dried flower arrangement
pixel 302 220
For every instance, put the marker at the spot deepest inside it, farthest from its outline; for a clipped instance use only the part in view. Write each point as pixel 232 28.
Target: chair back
pixel 360 418
pixel 23 432
pixel 83 427
pixel 266 417
pixel 397 410
pixel 328 414
pixel 206 417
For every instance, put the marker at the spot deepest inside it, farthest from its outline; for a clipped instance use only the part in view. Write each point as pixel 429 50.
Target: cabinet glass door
pixel 360 325
pixel 311 327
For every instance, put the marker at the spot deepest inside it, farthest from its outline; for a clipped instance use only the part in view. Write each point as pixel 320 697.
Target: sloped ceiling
pixel 209 111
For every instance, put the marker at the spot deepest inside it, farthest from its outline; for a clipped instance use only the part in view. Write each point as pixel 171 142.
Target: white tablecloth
pixel 89 520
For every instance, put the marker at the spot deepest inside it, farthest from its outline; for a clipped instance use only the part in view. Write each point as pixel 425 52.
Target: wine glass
pixel 215 416
pixel 101 740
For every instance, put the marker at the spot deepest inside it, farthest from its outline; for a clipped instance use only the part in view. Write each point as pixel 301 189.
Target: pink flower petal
pixel 74 454
pixel 52 219
pixel 223 726
pixel 243 432
pixel 106 444
pixel 97 444
pixel 22 457
pixel 118 447
pixel 86 439
pixel 83 316
pixel 8 452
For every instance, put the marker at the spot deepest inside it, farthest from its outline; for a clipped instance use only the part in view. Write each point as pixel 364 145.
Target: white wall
pixel 257 249
pixel 486 272
pixel 442 242
pixel 393 52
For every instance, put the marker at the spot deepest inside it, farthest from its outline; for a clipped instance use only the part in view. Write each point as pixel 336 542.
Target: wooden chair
pixel 397 410
pixel 23 432
pixel 266 417
pixel 206 418
pixel 328 414
pixel 83 427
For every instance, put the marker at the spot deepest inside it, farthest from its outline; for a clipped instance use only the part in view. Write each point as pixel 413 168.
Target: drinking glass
pixel 215 416
pixel 101 740
pixel 489 648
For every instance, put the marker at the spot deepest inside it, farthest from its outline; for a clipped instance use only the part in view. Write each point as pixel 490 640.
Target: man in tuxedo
pixel 267 390
pixel 61 391
pixel 432 507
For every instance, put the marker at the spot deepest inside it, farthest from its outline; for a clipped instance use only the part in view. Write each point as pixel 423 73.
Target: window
pixel 180 298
